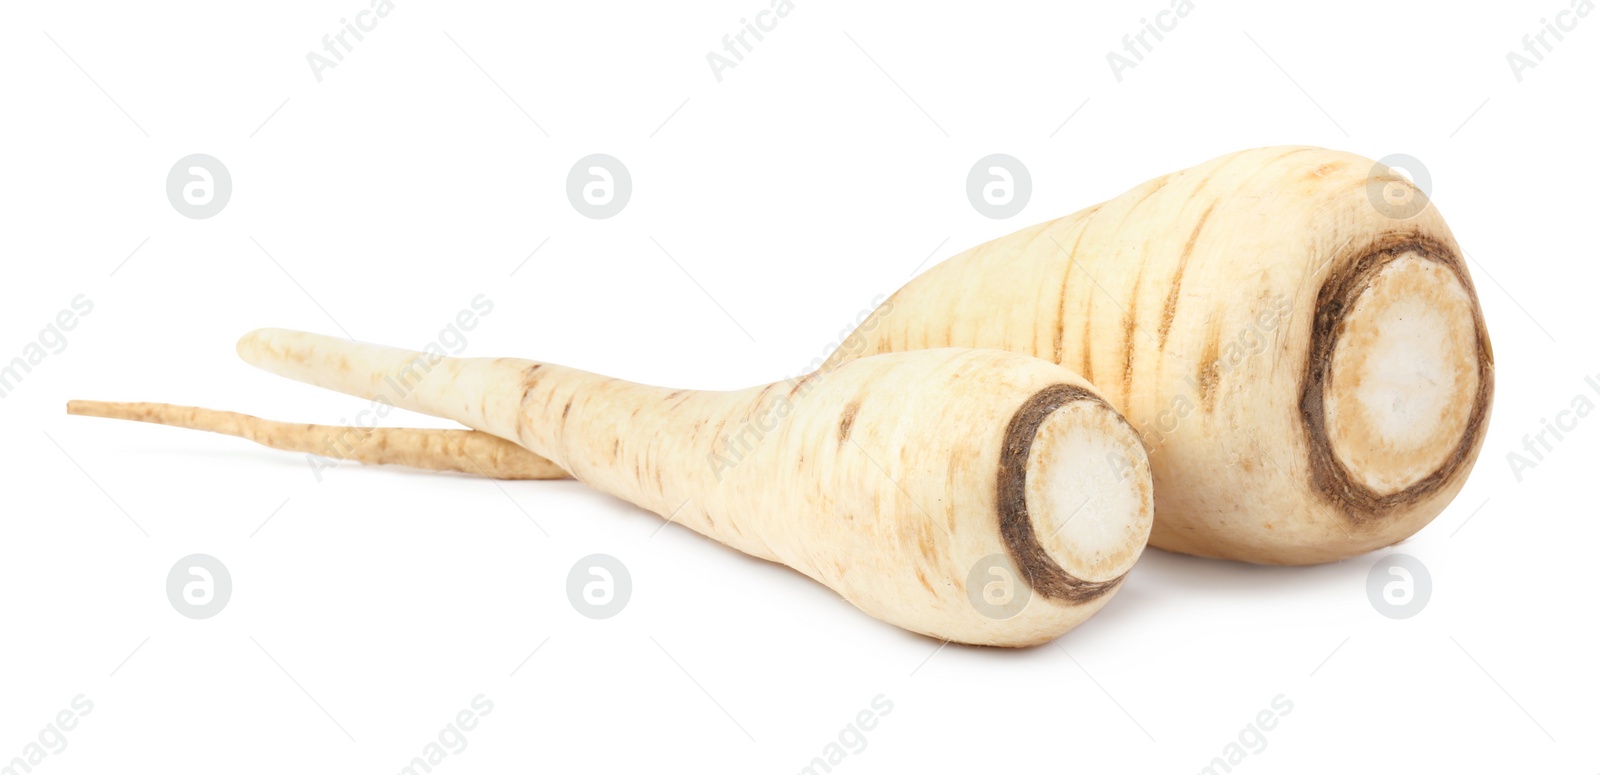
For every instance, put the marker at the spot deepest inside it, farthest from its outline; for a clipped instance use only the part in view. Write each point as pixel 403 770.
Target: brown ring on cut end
pixel 1368 451
pixel 1056 447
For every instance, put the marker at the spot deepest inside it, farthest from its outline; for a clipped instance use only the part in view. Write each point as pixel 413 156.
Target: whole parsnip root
pixel 891 479
pixel 463 451
pixel 1293 331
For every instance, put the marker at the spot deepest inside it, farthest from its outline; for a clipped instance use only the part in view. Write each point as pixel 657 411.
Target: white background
pixel 825 169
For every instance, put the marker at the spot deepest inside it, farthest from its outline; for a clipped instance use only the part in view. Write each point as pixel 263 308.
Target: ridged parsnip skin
pixel 1309 370
pixel 432 449
pixel 888 479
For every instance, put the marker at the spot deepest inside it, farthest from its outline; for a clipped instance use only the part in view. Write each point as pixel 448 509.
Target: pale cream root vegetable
pixel 463 451
pixel 1293 331
pixel 892 480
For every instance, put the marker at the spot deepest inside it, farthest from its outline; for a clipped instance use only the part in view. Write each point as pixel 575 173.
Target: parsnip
pixel 1311 373
pixel 434 449
pixel 1305 359
pixel 1309 369
pixel 890 479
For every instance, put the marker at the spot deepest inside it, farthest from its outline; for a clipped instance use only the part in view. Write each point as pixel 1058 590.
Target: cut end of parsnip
pixel 1404 376
pixel 1398 384
pixel 1088 491
pixel 1076 502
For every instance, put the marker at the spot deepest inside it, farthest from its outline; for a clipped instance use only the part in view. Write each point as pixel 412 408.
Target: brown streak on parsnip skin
pixel 1131 321
pixel 1087 367
pixel 1088 305
pixel 800 382
pixel 1061 310
pixel 530 380
pixel 1170 309
pixel 756 403
pixel 1207 375
pixel 1131 315
pixel 1044 575
pixel 847 420
pixel 1338 294
pixel 1160 183
pixel 1061 305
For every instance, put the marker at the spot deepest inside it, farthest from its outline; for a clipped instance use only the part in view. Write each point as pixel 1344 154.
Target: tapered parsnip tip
pixel 251 344
pixel 108 409
pixel 433 449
